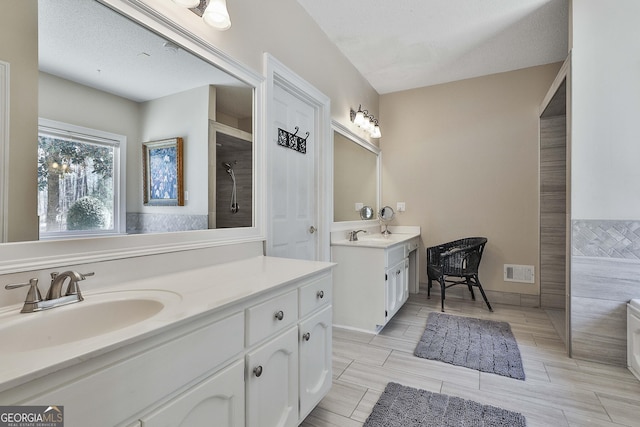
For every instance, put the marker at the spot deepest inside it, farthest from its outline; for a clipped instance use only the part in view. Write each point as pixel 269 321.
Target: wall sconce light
pixel 366 121
pixel 213 12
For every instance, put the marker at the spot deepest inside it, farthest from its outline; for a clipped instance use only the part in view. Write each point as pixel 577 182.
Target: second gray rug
pixel 402 406
pixel 484 345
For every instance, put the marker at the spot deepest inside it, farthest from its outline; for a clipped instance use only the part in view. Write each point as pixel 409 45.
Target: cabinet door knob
pixel 257 371
pixel 320 294
pixel 280 315
pixel 306 336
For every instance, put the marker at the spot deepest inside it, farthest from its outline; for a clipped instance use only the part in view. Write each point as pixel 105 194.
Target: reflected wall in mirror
pixel 102 71
pixel 355 175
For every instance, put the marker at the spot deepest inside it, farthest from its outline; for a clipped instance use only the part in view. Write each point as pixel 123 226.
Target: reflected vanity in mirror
pixel 356 172
pixel 102 71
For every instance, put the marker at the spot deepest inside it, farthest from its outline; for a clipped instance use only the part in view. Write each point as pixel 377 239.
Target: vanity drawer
pixel 395 254
pixel 271 316
pixel 315 294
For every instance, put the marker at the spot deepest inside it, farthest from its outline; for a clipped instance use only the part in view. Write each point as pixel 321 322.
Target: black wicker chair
pixel 459 259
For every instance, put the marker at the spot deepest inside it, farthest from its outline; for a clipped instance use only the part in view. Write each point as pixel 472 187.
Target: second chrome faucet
pixel 353 235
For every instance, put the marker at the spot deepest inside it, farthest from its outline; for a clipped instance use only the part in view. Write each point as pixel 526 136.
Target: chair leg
pixel 482 292
pixel 470 286
pixel 442 290
pixel 429 288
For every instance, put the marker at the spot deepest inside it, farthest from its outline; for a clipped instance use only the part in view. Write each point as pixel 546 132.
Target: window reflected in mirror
pixel 79 192
pixel 355 178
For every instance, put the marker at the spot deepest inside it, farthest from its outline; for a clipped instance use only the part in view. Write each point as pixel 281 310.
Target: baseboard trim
pixel 509 298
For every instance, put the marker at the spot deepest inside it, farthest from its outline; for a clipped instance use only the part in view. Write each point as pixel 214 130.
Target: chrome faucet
pixel 58 279
pixel 353 235
pixel 54 298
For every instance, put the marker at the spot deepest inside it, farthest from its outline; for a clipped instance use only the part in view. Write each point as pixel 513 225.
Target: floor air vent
pixel 519 273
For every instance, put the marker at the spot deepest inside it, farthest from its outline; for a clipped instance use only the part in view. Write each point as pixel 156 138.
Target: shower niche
pixel 230 177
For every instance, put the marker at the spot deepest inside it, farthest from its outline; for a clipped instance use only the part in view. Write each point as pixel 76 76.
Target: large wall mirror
pixel 356 175
pixel 108 85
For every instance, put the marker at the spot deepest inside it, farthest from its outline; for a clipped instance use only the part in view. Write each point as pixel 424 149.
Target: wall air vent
pixel 519 273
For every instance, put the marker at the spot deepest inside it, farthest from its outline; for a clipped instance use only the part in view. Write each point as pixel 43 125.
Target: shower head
pixel 228 167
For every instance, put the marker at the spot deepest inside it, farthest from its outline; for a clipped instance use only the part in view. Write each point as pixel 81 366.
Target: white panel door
pixel 293 189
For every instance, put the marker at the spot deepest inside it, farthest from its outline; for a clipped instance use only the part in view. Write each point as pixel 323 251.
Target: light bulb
pixel 187 3
pixel 359 119
pixel 375 133
pixel 217 16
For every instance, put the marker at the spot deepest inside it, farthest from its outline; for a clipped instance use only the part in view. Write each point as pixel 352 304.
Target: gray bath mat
pixel 401 406
pixel 484 345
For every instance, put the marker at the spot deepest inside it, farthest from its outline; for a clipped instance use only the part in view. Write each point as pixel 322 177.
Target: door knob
pixel 312 229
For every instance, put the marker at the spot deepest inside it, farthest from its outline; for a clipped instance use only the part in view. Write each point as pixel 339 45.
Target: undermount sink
pixel 381 237
pixel 378 238
pixel 97 315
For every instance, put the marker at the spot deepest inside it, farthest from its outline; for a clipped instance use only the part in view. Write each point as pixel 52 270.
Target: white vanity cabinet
pixel 263 360
pixel 372 281
pixel 151 374
pixel 289 374
pixel 219 398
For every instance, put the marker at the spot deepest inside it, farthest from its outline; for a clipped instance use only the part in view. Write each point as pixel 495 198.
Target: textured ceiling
pixel 405 44
pixel 86 42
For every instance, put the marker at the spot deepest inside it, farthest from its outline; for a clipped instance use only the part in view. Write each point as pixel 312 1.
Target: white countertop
pixel 377 240
pixel 187 294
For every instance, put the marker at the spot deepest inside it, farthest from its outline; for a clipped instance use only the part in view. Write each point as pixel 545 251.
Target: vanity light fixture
pixel 366 121
pixel 187 3
pixel 213 12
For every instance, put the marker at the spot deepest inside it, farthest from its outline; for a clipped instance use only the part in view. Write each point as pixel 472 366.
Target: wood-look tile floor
pixel 558 391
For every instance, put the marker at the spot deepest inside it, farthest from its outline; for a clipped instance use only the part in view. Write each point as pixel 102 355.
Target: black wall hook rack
pixel 292 140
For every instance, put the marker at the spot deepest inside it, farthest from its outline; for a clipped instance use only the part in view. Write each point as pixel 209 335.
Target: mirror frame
pixel 347 133
pixel 170 21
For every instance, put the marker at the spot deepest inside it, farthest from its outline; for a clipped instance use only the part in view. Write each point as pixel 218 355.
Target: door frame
pixel 563 75
pixel 277 73
pixel 4 147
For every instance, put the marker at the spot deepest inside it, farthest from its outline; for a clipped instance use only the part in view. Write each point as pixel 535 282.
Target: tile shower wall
pixel 605 275
pixel 553 209
pixel 241 159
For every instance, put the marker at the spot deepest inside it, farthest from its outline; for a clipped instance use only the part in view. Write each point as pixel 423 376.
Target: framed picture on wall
pixel 162 168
